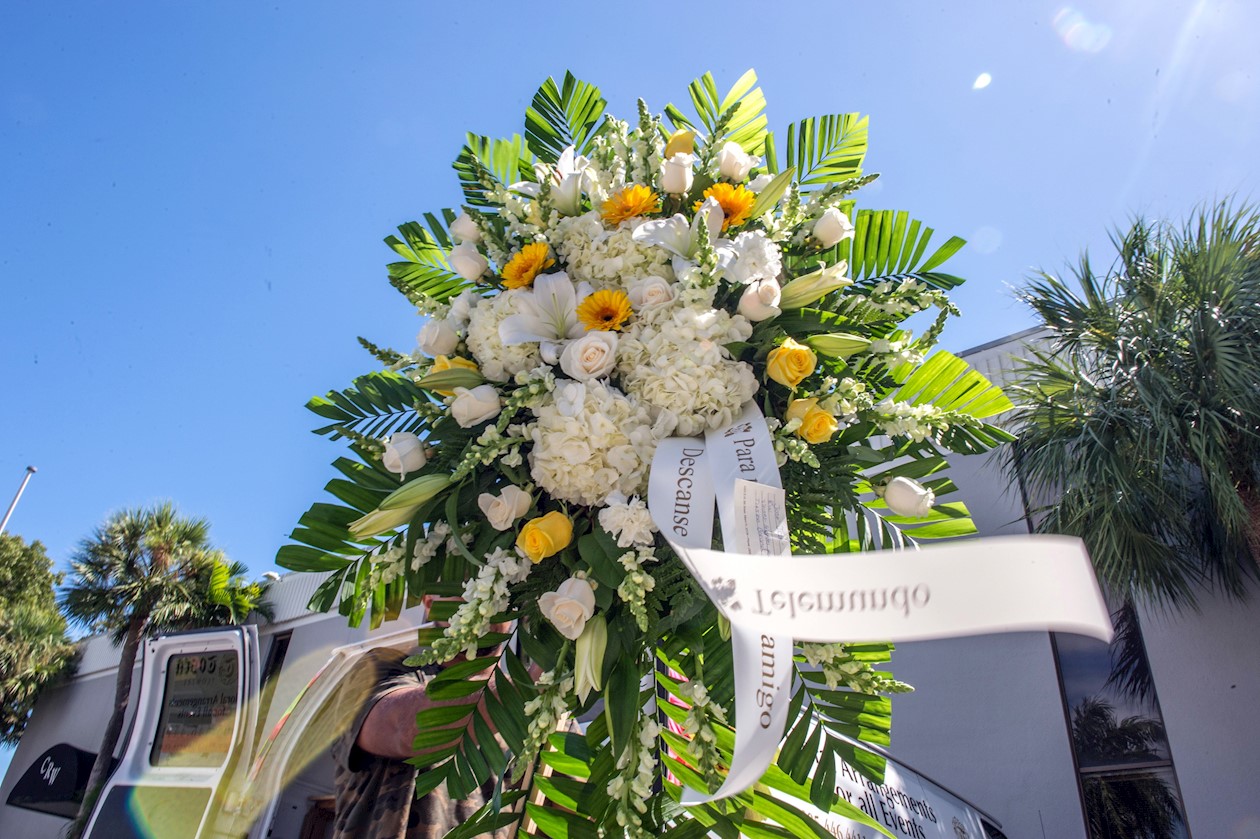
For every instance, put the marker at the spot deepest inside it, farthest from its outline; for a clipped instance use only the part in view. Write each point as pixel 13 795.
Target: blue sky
pixel 193 196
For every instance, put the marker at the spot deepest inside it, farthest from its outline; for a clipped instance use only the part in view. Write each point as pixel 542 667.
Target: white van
pixel 196 766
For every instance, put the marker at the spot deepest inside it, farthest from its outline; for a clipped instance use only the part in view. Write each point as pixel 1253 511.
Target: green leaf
pixel 568 115
pixel 827 149
pixel 560 824
pixel 451 378
pixel 424 269
pixel 771 193
pixel 484 164
pixel 622 703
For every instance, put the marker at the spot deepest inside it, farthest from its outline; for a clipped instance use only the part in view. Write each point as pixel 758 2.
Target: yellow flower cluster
pixel 634 200
pixel 736 202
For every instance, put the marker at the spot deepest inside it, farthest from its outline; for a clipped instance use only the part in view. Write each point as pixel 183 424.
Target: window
pixel 1128 785
pixel 198 715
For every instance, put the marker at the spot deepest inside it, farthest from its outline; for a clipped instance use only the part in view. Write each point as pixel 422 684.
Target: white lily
pixel 679 236
pixel 569 179
pixel 547 313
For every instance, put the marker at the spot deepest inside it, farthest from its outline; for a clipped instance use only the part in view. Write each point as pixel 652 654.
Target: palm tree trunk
pixel 122 693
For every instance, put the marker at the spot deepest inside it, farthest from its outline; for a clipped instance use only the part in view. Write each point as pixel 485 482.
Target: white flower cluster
pixel 428 547
pixel 918 422
pixel 485 596
pixel 606 258
pixel 636 584
pixel 601 439
pixel 631 798
pixel 703 744
pixel 544 712
pixel 840 668
pixel 681 368
pixel 498 361
pixel 628 520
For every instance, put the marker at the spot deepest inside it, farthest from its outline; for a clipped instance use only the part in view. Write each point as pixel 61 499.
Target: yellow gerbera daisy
pixel 524 266
pixel 736 202
pixel 605 310
pixel 634 200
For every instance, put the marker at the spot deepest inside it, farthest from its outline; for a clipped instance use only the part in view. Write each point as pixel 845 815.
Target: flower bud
pixel 589 657
pixel 464 229
pixel 676 173
pixel 814 286
pixel 569 607
pixel 467 261
pixel 831 227
pixel 909 498
pixel 404 452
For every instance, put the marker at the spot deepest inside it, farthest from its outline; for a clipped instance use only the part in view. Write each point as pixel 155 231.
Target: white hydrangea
pixel 607 444
pixel 679 365
pixel 750 257
pixel 628 520
pixel 606 258
pixel 498 362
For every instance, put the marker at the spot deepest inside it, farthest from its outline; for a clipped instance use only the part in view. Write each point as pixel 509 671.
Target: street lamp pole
pixel 30 470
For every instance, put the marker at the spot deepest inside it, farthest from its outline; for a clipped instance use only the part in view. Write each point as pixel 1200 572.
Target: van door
pixel 194 723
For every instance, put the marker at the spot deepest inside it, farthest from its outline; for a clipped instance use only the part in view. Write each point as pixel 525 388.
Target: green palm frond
pixel 485 165
pixel 570 114
pixel 889 243
pixel 424 270
pixel 376 406
pixel 826 149
pixel 737 117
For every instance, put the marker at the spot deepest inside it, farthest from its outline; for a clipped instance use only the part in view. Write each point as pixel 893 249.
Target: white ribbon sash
pixel 1001 584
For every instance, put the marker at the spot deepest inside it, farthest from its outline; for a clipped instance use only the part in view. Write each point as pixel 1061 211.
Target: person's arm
pixel 389 728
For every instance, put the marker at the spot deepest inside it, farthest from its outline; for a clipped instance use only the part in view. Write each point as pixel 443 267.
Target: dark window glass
pixel 1127 779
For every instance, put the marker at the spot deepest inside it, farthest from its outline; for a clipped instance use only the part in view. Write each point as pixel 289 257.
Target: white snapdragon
pixel 485 595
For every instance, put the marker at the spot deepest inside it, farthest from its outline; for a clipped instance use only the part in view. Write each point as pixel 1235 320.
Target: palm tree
pixel 143 572
pixel 1141 412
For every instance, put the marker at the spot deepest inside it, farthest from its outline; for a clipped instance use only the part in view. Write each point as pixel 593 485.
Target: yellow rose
pixel 817 425
pixel 790 363
pixel 441 363
pixel 545 536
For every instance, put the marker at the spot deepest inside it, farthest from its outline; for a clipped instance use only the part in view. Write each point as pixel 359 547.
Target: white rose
pixel 404 452
pixel 759 183
pixel 437 338
pixel 592 356
pixel 569 607
pixel 909 498
pixel 831 227
pixel 476 405
pixel 467 261
pixel 649 292
pixel 505 508
pixel 760 301
pixel 676 173
pixel 464 229
pixel 734 162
